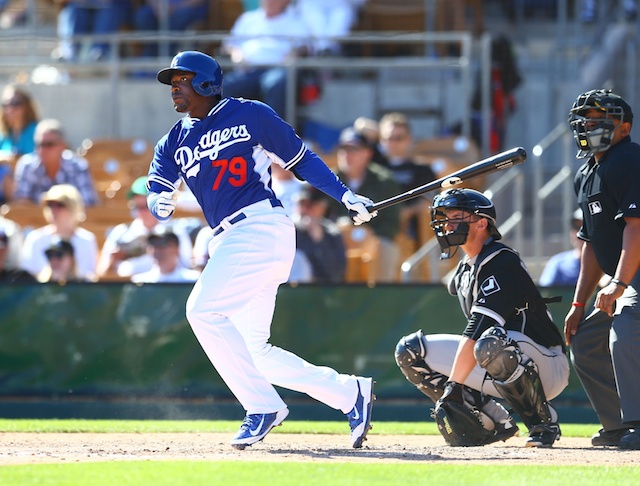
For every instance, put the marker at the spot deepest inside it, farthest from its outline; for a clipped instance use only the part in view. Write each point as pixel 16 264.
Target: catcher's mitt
pixel 461 425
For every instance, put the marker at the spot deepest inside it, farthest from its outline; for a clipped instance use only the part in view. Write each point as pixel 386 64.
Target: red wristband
pixel 578 304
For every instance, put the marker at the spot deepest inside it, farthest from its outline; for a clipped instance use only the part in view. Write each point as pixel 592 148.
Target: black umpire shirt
pixel 495 288
pixel 608 191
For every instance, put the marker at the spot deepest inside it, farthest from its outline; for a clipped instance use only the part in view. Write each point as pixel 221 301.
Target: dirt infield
pixel 33 448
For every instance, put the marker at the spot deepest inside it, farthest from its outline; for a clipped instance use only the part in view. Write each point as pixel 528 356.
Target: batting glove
pixel 165 203
pixel 357 206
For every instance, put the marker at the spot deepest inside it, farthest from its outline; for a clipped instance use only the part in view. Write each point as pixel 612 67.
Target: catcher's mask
pixel 474 204
pixel 594 135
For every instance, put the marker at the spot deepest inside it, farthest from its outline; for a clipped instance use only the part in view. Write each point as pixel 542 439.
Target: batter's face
pixel 185 99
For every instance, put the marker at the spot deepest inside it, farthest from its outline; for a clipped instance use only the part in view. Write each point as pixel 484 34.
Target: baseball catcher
pixel 510 349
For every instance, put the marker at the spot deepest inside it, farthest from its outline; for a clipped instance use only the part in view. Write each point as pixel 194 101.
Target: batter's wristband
pixel 578 304
pixel 619 282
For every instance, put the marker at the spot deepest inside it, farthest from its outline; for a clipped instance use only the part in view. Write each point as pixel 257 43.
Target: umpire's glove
pixel 357 206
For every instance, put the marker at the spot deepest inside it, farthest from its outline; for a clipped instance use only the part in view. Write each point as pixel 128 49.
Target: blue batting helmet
pixel 208 74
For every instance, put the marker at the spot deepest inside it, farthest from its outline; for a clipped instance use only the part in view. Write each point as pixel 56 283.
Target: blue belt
pixel 275 203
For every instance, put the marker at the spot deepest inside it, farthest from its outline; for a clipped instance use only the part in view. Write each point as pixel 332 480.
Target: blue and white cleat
pixel 256 426
pixel 360 415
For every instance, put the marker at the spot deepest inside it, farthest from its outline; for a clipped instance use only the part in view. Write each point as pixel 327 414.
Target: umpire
pixel 605 345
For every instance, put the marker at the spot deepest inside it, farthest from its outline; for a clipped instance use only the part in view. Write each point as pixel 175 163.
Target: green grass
pixel 240 472
pixel 308 474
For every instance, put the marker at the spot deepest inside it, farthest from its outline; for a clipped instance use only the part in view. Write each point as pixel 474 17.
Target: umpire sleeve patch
pixel 489 286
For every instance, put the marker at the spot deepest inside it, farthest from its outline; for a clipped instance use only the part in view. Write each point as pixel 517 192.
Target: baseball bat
pixel 491 164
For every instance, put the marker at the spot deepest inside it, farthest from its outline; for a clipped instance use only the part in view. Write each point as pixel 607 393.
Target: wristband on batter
pixel 620 283
pixel 578 304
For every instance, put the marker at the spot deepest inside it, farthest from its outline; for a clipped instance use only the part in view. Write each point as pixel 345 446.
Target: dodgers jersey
pixel 225 158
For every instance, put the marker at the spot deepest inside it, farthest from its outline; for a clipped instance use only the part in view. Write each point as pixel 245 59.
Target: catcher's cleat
pixel 256 426
pixel 360 416
pixel 543 435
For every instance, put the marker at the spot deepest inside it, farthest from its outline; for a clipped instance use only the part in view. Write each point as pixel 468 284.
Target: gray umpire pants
pixel 605 353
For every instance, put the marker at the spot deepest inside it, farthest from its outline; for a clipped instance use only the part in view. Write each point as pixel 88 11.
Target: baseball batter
pixel 223 149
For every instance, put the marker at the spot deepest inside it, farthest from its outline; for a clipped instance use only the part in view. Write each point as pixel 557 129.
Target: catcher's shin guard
pixel 410 353
pixel 514 376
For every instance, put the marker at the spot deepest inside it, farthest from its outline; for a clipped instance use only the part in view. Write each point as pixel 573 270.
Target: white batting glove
pixel 166 203
pixel 357 205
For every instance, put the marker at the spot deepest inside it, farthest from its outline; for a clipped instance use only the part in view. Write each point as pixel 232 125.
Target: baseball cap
pixel 310 193
pixel 162 236
pixel 138 188
pixel 64 194
pixel 59 248
pixel 351 138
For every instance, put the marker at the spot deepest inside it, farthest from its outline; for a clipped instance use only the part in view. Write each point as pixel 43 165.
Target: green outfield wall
pixel 108 342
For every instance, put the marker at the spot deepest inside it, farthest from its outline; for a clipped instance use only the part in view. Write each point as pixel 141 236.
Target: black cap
pixel 60 247
pixel 310 193
pixel 162 236
pixel 352 138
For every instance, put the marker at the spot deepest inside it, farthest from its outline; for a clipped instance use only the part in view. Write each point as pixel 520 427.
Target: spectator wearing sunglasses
pixel 52 163
pixel 63 209
pixel 61 264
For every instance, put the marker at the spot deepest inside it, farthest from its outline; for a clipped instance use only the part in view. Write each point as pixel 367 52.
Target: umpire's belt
pixel 252 208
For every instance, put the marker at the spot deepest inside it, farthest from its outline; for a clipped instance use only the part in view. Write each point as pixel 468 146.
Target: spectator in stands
pixel 14 233
pixel 505 78
pixel 271 34
pixel 18 122
pixel 61 264
pixel 329 19
pixel 319 238
pixel 362 175
pixel 179 16
pixel 52 163
pixel 564 267
pixel 164 247
pixel 124 252
pixel 10 274
pixel 64 211
pixel 85 17
pixel 370 130
pixel 397 145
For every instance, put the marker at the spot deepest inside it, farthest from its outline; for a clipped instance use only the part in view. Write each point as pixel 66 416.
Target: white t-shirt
pixel 135 234
pixel 154 275
pixel 277 36
pixel 85 247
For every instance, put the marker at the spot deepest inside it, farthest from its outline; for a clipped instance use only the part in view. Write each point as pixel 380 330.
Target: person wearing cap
pixel 52 163
pixel 63 210
pixel 563 268
pixel 362 175
pixel 7 273
pixel 124 252
pixel 164 247
pixel 61 267
pixel 605 342
pixel 319 238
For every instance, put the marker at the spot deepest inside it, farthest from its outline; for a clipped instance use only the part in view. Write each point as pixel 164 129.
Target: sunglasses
pixel 55 254
pixel 55 205
pixel 46 144
pixel 13 104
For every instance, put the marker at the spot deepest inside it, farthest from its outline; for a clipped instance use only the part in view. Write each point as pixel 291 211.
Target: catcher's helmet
pixel 208 74
pixel 595 135
pixel 468 200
